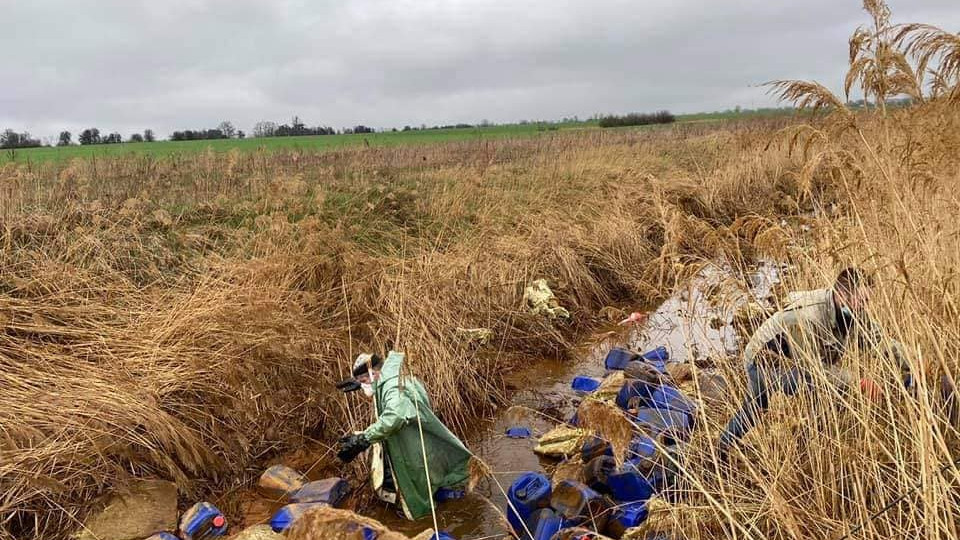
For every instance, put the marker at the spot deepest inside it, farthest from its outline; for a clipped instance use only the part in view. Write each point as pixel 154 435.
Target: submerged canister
pixel 593 447
pixel 585 385
pixel 636 394
pixel 618 358
pixel 202 520
pixel 670 398
pixel 577 503
pixel 279 481
pixel 625 517
pixel 528 493
pixel 628 484
pixel 596 473
pixel 544 523
pixel 285 517
pixel 163 536
pixel 664 424
pixel 330 490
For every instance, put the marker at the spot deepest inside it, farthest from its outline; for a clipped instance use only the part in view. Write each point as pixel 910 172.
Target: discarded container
pixel 518 432
pixel 544 523
pixel 284 518
pixel 618 358
pixel 596 473
pixel 163 536
pixel 666 425
pixel 642 453
pixel 441 536
pixel 657 358
pixel 279 481
pixel 641 370
pixel 576 503
pixel 627 484
pixel 635 394
pixel 625 517
pixel 593 447
pixel 528 493
pixel 202 520
pixel 668 397
pixel 447 494
pixel 330 490
pixel 585 384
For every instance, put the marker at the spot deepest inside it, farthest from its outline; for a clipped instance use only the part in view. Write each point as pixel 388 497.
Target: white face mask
pixel 367 389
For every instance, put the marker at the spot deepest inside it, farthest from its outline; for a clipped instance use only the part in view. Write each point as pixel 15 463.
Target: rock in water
pixel 258 532
pixel 146 507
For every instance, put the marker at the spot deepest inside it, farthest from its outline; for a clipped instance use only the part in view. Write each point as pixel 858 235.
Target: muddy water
pixel 693 324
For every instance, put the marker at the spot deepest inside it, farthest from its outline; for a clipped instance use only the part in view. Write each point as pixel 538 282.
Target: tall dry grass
pixel 186 318
pixel 833 463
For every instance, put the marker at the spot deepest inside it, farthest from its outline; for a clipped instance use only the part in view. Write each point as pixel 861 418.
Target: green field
pixel 323 142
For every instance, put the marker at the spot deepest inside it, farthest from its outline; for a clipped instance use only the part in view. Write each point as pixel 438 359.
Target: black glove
pixel 352 446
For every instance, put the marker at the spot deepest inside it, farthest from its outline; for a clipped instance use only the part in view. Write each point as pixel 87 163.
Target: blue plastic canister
pixel 528 493
pixel 585 384
pixel 518 432
pixel 637 391
pixel 596 472
pixel 163 536
pixel 577 503
pixel 642 452
pixel 624 517
pixel 202 520
pixel 617 358
pixel 279 481
pixel 665 423
pixel 627 484
pixel 593 447
pixel 330 490
pixel 442 536
pixel 284 518
pixel 545 523
pixel 670 398
pixel 660 354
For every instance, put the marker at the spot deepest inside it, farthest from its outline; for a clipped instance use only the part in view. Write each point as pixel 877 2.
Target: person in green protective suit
pixel 407 469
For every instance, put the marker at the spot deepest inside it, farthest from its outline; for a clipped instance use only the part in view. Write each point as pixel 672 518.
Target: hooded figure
pixel 399 469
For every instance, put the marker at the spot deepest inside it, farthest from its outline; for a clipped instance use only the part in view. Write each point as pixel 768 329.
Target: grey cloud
pixel 129 64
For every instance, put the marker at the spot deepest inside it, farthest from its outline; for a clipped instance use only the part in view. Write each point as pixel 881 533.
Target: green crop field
pixel 324 142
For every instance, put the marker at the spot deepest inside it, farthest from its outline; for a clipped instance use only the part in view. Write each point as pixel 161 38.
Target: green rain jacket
pixel 398 398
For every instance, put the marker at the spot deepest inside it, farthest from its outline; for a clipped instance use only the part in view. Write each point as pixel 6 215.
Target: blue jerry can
pixel 528 493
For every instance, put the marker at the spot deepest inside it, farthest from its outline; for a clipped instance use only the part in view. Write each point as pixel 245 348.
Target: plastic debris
pixel 285 517
pixel 634 318
pixel 163 536
pixel 642 371
pixel 561 441
pixel 331 491
pixel 594 447
pixel 627 484
pixel 585 385
pixel 618 358
pixel 544 523
pixel 480 336
pixel 518 432
pixel 671 399
pixel 542 301
pixel 577 503
pixel 664 424
pixel 202 520
pixel 636 394
pixel 626 517
pixel 530 492
pixel 448 494
pixel 597 472
pixel 279 481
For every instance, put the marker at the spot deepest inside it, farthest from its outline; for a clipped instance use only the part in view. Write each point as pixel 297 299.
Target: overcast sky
pixel 126 65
